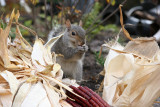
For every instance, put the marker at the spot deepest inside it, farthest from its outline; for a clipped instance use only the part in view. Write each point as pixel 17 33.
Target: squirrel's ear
pixel 80 23
pixel 68 23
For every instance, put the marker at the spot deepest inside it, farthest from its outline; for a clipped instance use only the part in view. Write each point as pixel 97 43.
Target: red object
pixel 74 104
pixel 97 96
pixel 91 99
pixel 92 96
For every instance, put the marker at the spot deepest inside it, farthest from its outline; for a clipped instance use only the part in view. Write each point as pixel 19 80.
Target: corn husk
pixel 132 73
pixel 29 76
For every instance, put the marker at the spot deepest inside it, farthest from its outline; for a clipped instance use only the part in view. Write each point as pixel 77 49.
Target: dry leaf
pixel 130 81
pixel 3 42
pixel 36 97
pixel 145 48
pixel 52 95
pixel 9 89
pixel 69 82
pixel 38 53
pixel 65 104
pixel 121 21
pixel 21 95
pixel 52 41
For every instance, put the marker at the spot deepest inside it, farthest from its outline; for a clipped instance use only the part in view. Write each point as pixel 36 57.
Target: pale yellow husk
pixel 132 74
pixel 28 75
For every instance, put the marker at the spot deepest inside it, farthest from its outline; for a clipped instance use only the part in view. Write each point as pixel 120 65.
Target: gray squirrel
pixel 72 46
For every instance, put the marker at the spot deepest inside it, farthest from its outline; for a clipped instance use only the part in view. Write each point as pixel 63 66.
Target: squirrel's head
pixel 76 33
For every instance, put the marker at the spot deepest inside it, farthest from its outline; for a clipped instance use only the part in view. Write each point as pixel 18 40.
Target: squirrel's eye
pixel 73 33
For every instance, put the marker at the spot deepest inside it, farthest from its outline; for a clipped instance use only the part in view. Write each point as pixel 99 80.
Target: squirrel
pixel 72 46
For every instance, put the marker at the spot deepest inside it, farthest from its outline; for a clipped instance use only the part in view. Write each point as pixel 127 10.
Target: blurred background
pixel 101 20
pixel 140 16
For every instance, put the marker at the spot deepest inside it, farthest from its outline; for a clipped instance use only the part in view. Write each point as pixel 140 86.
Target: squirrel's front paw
pixel 83 48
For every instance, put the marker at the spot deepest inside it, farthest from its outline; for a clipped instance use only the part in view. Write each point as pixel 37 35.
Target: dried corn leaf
pixel 12 81
pixel 25 60
pixel 121 21
pixel 36 97
pixel 3 46
pixel 144 39
pixel 69 82
pixel 52 95
pixel 38 54
pixel 127 83
pixel 56 68
pixel 22 93
pixel 52 41
pixel 22 45
pixel 14 58
pixel 3 42
pixel 25 53
pixel 58 75
pixel 6 100
pixel 8 90
pixel 57 82
pixel 146 49
pixel 23 42
pixel 65 104
pixel 2 68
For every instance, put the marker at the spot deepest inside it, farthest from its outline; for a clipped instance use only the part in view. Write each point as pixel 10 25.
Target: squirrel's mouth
pixel 80 43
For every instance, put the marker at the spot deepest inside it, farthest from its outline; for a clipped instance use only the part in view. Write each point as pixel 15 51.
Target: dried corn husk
pixel 28 75
pixel 132 74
